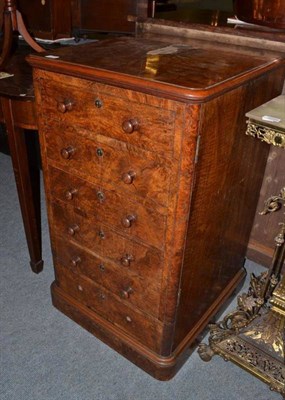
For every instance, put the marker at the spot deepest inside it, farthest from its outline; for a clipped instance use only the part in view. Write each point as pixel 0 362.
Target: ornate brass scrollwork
pixel 253 336
pixel 266 134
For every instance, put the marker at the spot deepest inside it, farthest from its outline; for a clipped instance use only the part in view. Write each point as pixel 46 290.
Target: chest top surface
pixel 178 68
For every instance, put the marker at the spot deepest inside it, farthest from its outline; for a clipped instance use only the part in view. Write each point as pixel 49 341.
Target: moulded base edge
pixel 159 367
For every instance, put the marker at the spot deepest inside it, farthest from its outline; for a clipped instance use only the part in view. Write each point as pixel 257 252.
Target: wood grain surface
pixel 171 117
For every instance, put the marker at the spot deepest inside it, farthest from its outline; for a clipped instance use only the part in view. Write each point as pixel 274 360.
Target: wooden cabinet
pixel 107 15
pixel 151 185
pixel 51 19
pixel 47 19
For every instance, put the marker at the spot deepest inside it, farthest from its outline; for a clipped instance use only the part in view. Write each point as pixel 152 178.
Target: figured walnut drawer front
pixel 143 328
pixel 109 207
pixel 104 241
pixel 143 293
pixel 92 159
pixel 139 124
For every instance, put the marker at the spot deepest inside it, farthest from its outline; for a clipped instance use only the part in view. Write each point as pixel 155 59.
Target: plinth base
pixel 161 368
pixel 255 349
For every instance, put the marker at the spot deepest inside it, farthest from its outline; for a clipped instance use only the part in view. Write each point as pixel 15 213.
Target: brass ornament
pixel 266 134
pixel 253 336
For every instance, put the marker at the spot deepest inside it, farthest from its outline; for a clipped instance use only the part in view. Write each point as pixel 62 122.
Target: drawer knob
pixel 125 294
pixel 65 106
pixel 129 177
pixel 126 260
pixel 67 152
pixel 75 261
pixel 69 195
pixel 130 125
pixel 128 221
pixel 73 229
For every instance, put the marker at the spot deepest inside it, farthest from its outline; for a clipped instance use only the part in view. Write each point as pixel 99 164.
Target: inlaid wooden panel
pixel 90 228
pixel 141 291
pixel 109 207
pixel 105 242
pixel 106 111
pixel 142 327
pixel 104 160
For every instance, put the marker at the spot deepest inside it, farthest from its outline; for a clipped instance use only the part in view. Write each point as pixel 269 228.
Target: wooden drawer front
pixel 105 242
pixel 109 207
pixel 94 160
pixel 142 292
pixel 153 126
pixel 144 328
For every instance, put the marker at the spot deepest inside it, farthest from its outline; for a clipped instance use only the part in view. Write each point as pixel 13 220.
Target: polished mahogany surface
pixel 151 184
pixel 20 84
pixel 199 69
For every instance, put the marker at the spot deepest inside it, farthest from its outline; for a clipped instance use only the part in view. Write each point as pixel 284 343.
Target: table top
pixel 20 85
pixel 271 113
pixel 179 68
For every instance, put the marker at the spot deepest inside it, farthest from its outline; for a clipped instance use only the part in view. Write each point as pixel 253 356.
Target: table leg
pixel 28 185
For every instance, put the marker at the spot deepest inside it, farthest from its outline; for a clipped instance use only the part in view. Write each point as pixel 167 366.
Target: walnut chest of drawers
pixel 151 185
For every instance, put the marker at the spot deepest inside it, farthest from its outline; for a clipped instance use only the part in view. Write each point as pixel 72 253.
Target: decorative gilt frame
pixel 266 134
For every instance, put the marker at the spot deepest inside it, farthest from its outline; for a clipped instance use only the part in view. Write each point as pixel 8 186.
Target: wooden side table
pixel 267 122
pixel 17 111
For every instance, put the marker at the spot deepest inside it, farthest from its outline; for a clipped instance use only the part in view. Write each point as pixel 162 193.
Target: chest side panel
pixel 228 176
